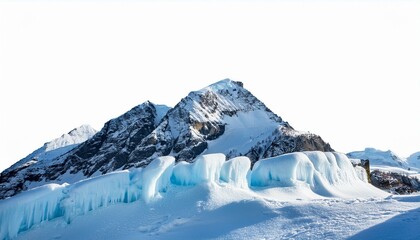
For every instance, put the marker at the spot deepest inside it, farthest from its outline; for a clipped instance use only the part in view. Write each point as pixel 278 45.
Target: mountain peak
pixel 220 99
pixel 75 136
pixel 225 84
pixel 84 129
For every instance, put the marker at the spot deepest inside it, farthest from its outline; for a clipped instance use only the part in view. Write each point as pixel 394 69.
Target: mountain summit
pixel 223 117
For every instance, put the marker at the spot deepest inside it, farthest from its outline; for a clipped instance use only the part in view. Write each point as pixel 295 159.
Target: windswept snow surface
pixel 294 196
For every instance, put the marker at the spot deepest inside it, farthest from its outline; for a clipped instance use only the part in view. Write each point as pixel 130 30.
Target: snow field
pixel 321 175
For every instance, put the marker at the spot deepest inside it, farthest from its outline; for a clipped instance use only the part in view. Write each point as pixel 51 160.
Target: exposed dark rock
pixel 209 130
pixel 364 163
pixel 395 183
pixel 287 143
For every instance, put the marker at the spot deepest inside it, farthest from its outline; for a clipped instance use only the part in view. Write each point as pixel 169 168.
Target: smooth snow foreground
pixel 166 196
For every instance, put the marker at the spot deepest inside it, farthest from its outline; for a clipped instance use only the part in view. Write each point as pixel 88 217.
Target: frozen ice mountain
pixel 221 118
pixel 14 179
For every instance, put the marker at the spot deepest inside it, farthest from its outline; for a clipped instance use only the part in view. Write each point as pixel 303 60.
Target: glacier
pixel 324 174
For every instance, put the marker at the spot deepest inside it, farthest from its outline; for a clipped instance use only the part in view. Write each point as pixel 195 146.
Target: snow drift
pixel 324 174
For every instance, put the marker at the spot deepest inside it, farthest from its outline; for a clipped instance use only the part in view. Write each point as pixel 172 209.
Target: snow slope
pixel 57 147
pixel 414 160
pixel 193 195
pixel 244 130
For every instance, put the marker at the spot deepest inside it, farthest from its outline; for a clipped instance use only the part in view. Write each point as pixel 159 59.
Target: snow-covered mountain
pixel 223 117
pixel 414 160
pixel 219 165
pixel 58 146
pixel 379 158
pixel 12 180
pixel 390 172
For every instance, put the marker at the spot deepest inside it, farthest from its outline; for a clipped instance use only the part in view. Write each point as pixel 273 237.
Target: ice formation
pixel 156 177
pixel 283 170
pixel 90 194
pixel 361 173
pixel 205 168
pixel 324 174
pixel 29 208
pixel 235 171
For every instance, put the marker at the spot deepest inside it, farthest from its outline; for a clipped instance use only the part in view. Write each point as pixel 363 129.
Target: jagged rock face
pixel 110 148
pixel 395 183
pixel 198 119
pixel 292 142
pixel 221 118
